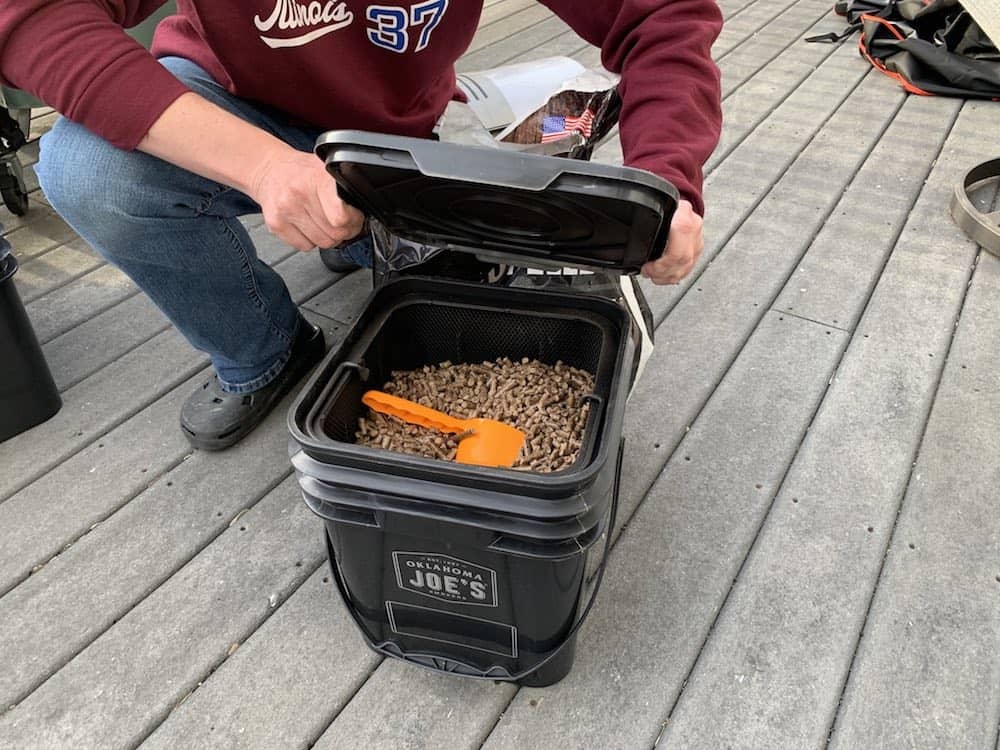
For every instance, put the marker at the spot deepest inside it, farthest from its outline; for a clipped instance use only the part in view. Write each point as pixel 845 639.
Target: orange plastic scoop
pixel 490 443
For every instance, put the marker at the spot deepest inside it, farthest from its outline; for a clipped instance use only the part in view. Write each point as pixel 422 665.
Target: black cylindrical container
pixel 28 395
pixel 471 570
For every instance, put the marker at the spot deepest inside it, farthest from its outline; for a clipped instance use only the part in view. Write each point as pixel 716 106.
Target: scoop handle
pixel 412 412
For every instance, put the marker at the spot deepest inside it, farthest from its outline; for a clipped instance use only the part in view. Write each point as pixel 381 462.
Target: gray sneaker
pixel 213 419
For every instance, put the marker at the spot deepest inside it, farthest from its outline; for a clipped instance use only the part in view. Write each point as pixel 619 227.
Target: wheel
pixel 14 197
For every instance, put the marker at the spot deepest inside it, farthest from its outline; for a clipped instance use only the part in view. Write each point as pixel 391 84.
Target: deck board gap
pixel 486 737
pixel 357 689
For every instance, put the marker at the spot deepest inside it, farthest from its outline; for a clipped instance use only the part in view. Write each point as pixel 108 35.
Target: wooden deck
pixel 809 550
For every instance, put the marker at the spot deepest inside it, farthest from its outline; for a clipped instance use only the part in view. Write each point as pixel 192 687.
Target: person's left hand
pixel 683 247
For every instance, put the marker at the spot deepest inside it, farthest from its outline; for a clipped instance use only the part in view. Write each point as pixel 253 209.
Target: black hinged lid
pixel 501 202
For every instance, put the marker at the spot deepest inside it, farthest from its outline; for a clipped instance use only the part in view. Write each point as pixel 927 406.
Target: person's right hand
pixel 300 203
pixel 298 198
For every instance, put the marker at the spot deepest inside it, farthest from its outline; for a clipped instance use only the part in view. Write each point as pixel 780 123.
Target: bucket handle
pixel 346 365
pixel 598 579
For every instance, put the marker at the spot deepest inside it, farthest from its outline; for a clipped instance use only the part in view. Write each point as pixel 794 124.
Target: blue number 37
pixel 392 24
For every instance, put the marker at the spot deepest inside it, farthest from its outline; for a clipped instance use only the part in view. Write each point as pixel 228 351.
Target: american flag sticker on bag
pixel 558 126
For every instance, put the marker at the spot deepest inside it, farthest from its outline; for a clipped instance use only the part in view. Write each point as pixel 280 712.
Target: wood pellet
pixel 546 402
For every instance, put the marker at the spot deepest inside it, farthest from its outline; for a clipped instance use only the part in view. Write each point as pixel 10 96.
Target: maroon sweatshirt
pixel 368 66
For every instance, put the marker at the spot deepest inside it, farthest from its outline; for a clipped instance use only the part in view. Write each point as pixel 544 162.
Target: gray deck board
pixel 548 38
pixel 500 10
pixel 72 356
pixel 930 646
pixel 735 187
pixel 58 268
pixel 63 606
pixel 928 666
pixel 927 670
pixel 552 37
pixel 534 37
pixel 813 592
pixel 45 231
pixel 845 262
pixel 509 27
pixel 751 98
pixel 791 438
pixel 126 386
pixel 114 694
pixel 247 703
pixel 732 295
pixel 91 408
pixel 760 68
pixel 399 709
pixel 68 306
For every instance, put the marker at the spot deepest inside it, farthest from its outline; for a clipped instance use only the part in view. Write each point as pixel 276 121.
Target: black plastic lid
pixel 502 203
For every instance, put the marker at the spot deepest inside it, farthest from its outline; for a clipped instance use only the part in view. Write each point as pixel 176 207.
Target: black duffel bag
pixel 930 47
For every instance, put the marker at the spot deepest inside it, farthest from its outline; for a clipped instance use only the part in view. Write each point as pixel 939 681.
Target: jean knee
pixel 73 168
pixel 97 189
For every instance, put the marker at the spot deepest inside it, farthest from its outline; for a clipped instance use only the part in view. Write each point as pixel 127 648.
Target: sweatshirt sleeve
pixel 671 99
pixel 75 56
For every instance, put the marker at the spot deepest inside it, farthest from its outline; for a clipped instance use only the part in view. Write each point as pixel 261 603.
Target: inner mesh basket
pixel 425 333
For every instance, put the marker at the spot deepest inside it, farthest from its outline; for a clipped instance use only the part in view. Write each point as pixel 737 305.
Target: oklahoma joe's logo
pixel 446 578
pixel 307 21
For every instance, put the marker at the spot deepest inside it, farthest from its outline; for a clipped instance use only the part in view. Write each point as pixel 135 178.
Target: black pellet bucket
pixel 466 569
pixel 28 395
pixel 470 570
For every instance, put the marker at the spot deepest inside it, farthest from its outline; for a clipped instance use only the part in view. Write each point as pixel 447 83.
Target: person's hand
pixel 300 203
pixel 683 248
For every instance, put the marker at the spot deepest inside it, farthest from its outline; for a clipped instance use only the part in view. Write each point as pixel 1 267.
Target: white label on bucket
pixel 445 578
pixel 455 630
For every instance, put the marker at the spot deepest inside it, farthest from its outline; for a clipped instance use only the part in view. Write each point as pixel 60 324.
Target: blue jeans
pixel 176 235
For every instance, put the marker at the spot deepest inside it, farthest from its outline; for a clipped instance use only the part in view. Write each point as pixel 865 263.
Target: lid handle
pixel 495 167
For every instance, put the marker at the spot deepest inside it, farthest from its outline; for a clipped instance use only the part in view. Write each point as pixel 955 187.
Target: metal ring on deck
pixel 983 228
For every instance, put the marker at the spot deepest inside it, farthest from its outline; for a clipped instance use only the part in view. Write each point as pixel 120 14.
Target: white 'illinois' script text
pixel 320 18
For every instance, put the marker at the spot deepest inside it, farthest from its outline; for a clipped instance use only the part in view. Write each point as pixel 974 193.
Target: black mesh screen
pixel 425 333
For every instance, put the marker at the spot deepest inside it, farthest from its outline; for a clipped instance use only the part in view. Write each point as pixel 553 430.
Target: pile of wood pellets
pixel 546 402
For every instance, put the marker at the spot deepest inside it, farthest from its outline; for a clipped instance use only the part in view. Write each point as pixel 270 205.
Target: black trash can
pixel 472 570
pixel 28 395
